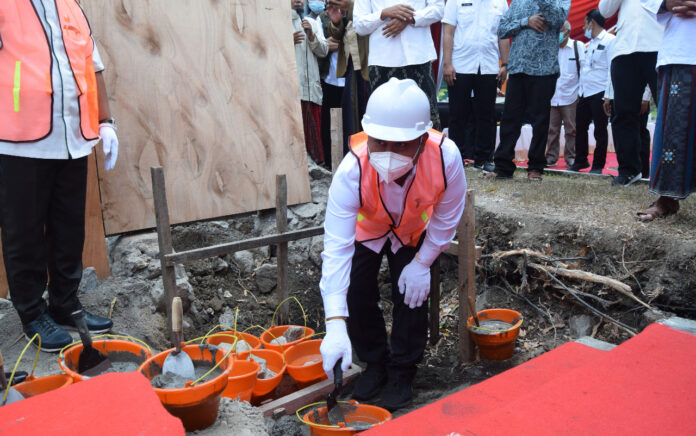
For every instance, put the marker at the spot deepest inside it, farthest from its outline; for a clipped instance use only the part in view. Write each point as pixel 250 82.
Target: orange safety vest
pixel 26 93
pixel 426 190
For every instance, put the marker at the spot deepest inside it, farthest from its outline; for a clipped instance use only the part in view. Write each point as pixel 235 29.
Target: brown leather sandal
pixel 663 207
pixel 534 176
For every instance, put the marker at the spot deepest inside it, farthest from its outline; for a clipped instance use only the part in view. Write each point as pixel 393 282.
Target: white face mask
pixel 390 166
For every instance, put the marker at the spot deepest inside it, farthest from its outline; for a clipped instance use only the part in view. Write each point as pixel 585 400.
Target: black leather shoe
pixel 95 324
pixel 398 392
pixel 53 338
pixel 370 382
pixel 577 166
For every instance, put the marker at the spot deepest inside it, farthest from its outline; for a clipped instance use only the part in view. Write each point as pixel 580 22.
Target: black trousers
pixel 590 110
pixel 332 98
pixel 366 324
pixel 42 204
pixel 630 74
pixel 527 96
pixel 480 108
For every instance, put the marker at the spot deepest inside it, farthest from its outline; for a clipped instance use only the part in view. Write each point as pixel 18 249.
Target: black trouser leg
pixel 331 98
pixel 583 117
pixel 65 232
pixel 460 112
pixel 483 108
pixel 510 125
pixel 366 327
pixel 410 326
pixel 601 135
pixel 539 91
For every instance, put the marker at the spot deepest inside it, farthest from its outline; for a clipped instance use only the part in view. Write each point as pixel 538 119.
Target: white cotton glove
pixel 414 283
pixel 107 133
pixel 336 345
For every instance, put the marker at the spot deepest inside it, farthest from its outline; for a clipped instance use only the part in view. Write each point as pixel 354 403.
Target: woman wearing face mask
pixel 399 193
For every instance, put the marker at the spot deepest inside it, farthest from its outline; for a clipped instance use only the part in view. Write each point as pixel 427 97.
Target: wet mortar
pixel 491 327
pixel 173 381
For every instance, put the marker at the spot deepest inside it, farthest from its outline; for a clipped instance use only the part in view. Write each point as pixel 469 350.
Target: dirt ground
pixel 579 218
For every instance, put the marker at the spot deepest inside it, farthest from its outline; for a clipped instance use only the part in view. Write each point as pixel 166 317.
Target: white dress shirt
pixel 413 46
pixel 342 215
pixel 476 35
pixel 568 81
pixel 331 78
pixel 595 66
pixel 636 29
pixel 65 140
pixel 678 42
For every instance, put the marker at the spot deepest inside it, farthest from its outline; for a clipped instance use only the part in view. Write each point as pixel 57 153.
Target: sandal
pixel 659 209
pixel 534 176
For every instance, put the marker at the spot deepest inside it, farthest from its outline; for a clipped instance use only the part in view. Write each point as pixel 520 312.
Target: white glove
pixel 336 345
pixel 107 133
pixel 414 283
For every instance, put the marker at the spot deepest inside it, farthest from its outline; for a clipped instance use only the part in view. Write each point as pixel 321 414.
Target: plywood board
pixel 94 253
pixel 208 90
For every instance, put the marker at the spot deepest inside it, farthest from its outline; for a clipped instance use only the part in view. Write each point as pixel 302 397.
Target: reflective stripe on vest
pixel 26 94
pixel 426 190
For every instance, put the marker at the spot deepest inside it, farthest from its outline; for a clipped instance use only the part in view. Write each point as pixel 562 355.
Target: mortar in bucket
pixel 358 417
pixel 497 333
pixel 242 380
pixel 124 355
pixel 196 404
pixel 38 385
pixel 228 337
pixel 305 363
pixel 275 362
pixel 270 337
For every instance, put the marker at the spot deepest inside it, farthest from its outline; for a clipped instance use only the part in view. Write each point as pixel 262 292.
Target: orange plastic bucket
pixel 220 337
pixel 116 350
pixel 242 380
pixel 318 420
pixel 196 405
pixel 276 332
pixel 305 363
pixel 496 345
pixel 275 362
pixel 38 385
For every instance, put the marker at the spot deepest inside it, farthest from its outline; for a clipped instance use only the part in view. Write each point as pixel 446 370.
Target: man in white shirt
pixel 400 193
pixel 53 110
pixel 564 102
pixel 593 81
pixel 401 44
pixel 633 55
pixel 673 172
pixel 475 62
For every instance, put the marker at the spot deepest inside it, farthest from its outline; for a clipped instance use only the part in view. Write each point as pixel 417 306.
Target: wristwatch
pixel 110 120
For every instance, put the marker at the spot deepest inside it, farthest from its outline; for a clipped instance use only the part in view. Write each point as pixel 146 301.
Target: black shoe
pixel 95 324
pixel 398 392
pixel 370 382
pixel 53 338
pixel 577 166
pixel 486 167
pixel 626 180
pixel 551 163
pixel 595 171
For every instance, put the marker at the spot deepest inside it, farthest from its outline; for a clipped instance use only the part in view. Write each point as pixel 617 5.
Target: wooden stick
pixel 529 253
pixel 282 225
pixel 435 301
pixel 467 275
pixel 622 288
pixel 336 138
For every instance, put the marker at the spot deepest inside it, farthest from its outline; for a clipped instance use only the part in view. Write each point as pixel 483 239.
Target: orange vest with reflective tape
pixel 26 93
pixel 426 190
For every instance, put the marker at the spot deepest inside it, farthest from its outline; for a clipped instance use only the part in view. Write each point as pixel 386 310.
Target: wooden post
pixel 435 301
pixel 467 275
pixel 336 138
pixel 164 238
pixel 282 253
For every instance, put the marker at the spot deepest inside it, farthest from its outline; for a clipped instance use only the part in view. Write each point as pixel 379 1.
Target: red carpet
pixel 610 167
pixel 111 404
pixel 644 386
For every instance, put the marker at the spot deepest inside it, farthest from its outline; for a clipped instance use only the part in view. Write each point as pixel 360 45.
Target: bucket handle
pixel 36 360
pixel 313 424
pixel 192 383
pixel 304 314
pixel 282 350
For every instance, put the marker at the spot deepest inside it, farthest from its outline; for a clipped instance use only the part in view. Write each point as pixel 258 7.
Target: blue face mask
pixel 588 34
pixel 316 6
pixel 561 37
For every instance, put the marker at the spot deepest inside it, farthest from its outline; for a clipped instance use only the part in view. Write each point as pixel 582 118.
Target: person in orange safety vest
pixel 399 193
pixel 53 110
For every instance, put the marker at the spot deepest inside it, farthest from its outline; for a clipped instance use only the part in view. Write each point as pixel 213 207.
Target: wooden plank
pixel 247 244
pixel 282 255
pixel 210 93
pixel 336 138
pixel 164 238
pixel 290 403
pixel 467 276
pixel 435 301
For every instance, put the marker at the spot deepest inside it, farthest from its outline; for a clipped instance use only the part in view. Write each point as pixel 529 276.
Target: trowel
pixel 335 411
pixel 91 362
pixel 178 363
pixel 12 395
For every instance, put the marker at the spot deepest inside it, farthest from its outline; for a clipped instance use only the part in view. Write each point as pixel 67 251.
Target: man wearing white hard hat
pixel 399 193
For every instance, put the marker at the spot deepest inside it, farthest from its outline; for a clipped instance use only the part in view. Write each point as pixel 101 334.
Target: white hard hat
pixel 397 111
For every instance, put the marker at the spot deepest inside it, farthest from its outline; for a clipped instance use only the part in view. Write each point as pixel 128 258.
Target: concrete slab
pixel 595 343
pixel 683 324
